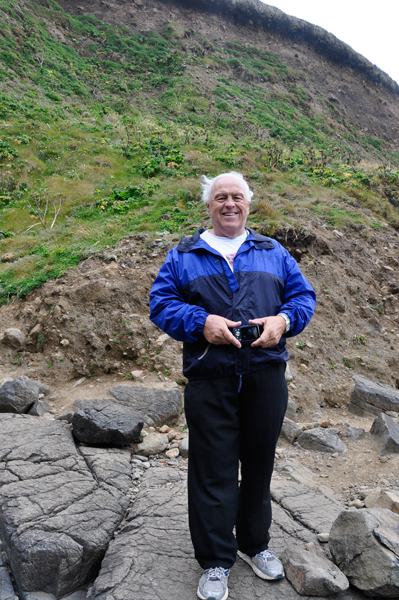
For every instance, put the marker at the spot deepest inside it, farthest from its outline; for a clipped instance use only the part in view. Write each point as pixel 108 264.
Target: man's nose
pixel 230 200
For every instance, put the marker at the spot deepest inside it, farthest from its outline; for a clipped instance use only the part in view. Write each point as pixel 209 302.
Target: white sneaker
pixel 265 564
pixel 213 584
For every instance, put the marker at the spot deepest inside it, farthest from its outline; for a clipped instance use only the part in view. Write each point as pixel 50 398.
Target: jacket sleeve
pixel 168 310
pixel 299 296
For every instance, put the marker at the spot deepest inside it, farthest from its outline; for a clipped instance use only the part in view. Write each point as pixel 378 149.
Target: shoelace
pixel 216 573
pixel 266 554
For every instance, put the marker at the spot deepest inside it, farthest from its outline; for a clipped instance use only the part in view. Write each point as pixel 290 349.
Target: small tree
pixel 42 204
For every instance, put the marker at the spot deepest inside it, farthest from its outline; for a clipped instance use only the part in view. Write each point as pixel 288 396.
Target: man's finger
pixel 231 339
pixel 257 321
pixel 232 324
pixel 262 339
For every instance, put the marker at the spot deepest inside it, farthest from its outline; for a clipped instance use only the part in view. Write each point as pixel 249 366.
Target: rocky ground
pixel 89 332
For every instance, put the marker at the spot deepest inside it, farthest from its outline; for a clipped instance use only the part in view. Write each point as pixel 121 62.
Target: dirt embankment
pixel 95 319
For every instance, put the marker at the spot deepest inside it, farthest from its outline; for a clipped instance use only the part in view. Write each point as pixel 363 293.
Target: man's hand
pixel 273 329
pixel 216 330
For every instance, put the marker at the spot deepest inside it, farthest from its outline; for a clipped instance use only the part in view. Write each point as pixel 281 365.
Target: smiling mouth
pixel 230 214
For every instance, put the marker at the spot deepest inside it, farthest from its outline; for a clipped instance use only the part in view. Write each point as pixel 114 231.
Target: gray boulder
pixel 311 573
pixel 110 466
pixel 371 397
pixel 365 546
pixel 14 338
pixel 353 433
pixel 68 416
pixel 291 412
pixel 57 517
pixel 158 406
pixel 322 440
pixel 107 423
pixel 153 443
pixel 311 506
pixel 183 447
pixel 290 430
pixel 6 588
pixel 40 408
pixel 19 395
pixel 385 431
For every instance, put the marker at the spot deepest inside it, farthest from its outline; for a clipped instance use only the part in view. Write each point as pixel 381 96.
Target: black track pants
pixel 228 424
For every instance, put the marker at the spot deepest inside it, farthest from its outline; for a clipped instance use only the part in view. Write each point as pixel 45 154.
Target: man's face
pixel 228 207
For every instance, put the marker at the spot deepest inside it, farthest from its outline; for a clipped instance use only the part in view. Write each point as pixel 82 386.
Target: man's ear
pixel 207 209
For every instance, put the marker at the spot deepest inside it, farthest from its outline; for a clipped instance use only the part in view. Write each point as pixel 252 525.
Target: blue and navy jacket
pixel 196 281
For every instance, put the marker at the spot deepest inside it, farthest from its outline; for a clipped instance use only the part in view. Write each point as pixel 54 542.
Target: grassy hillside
pixel 109 131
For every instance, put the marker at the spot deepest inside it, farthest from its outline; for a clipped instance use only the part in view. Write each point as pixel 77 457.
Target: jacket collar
pixel 187 244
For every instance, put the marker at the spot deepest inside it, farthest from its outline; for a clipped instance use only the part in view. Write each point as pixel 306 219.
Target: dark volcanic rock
pixel 365 546
pixel 6 588
pixel 19 395
pixel 109 465
pixel 56 517
pixel 353 433
pixel 312 573
pixel 158 406
pixel 370 396
pixel 108 423
pixel 152 556
pixel 322 440
pixel 311 507
pixel 40 408
pixel 385 431
pixel 290 430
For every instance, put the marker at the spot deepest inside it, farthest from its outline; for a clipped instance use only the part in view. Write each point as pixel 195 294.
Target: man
pixel 236 395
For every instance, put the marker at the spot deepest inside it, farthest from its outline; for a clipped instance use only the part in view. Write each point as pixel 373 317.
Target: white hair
pixel 207 183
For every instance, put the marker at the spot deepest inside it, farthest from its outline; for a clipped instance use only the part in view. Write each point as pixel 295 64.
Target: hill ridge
pixel 272 18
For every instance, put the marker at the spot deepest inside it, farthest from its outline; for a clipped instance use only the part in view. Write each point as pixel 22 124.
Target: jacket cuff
pixel 200 322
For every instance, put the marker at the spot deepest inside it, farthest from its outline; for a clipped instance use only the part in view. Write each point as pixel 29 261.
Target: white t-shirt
pixel 226 246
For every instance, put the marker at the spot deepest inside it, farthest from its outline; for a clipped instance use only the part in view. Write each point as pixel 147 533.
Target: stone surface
pixel 153 443
pixel 291 412
pixel 172 453
pixel 288 373
pixel 109 465
pixel 352 433
pixel 388 500
pixel 158 406
pixel 183 447
pixel 371 397
pixel 365 546
pixel 386 434
pixel 322 440
pixel 19 395
pixel 40 408
pixel 107 423
pixel 312 573
pixel 6 588
pixel 68 416
pixel 57 517
pixel 290 430
pixel 152 556
pixel 371 500
pixel 14 338
pixel 314 508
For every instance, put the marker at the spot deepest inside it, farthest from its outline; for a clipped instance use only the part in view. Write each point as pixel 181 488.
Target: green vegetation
pixel 104 133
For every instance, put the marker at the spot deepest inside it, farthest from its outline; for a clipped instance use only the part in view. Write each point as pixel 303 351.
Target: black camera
pixel 246 334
